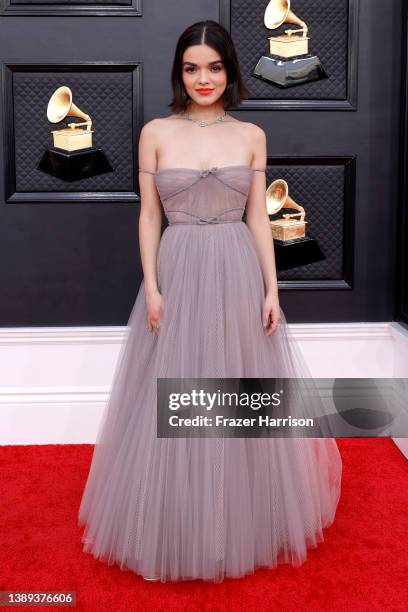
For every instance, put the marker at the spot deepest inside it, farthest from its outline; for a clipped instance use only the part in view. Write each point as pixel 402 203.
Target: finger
pixel 273 326
pixel 269 326
pixel 265 318
pixel 272 329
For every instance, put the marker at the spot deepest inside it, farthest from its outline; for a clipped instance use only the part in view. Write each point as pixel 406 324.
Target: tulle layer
pixel 207 508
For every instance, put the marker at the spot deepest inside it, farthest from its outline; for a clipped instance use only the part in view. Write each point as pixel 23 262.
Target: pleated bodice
pixel 216 195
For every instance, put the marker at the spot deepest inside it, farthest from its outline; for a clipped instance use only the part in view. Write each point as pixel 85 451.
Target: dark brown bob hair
pixel 218 38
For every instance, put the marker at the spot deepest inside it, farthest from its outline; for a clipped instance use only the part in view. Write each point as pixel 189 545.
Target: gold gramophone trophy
pixel 292 247
pixel 73 156
pixel 289 62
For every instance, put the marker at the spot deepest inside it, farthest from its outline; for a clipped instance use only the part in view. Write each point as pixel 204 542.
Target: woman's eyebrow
pixel 209 63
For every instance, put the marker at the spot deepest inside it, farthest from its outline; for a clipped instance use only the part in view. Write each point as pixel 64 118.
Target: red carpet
pixel 361 565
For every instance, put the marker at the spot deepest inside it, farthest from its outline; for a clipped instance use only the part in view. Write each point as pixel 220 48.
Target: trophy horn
pixel 278 12
pixel 276 196
pixel 61 106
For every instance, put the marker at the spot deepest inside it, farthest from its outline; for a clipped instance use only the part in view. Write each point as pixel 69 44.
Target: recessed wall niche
pixel 325 188
pixel 333 39
pixel 59 8
pixel 110 93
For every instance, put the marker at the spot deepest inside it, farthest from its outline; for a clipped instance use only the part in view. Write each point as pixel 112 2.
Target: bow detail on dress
pixel 201 221
pixel 205 173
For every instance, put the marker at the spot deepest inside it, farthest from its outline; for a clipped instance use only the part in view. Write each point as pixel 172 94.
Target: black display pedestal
pixel 297 252
pixel 289 72
pixel 74 165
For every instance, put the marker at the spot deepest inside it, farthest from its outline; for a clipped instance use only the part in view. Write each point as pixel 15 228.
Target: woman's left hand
pixel 270 313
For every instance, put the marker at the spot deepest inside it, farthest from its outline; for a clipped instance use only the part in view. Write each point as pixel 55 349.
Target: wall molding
pixel 92 8
pixel 55 381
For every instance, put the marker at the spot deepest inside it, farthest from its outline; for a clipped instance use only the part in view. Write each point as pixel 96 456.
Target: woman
pixel 208 306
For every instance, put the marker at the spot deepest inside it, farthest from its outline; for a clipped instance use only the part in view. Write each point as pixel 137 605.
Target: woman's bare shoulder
pixel 253 129
pixel 162 120
pixel 249 129
pixel 159 123
pixel 151 126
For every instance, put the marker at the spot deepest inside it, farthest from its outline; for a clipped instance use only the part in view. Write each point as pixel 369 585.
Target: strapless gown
pixel 204 508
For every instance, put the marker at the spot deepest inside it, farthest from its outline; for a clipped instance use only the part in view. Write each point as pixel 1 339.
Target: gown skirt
pixel 176 509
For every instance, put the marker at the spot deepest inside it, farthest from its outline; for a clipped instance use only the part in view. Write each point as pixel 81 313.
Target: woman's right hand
pixel 155 304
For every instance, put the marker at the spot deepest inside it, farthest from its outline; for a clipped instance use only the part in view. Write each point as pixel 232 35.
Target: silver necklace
pixel 204 122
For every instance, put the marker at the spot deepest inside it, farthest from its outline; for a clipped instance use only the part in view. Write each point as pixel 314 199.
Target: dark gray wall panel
pixel 65 264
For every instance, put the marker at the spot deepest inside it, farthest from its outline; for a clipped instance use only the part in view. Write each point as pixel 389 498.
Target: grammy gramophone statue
pixel 292 247
pixel 73 155
pixel 289 62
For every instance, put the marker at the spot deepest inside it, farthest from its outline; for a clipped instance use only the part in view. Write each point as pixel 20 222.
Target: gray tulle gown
pixel 204 508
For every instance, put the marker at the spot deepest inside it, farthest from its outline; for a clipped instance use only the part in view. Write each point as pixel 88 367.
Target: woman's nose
pixel 203 79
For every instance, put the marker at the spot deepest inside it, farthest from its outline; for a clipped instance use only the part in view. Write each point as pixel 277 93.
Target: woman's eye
pixel 214 68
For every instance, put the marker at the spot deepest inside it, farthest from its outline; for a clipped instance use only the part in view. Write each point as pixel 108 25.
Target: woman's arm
pixel 151 215
pixel 257 217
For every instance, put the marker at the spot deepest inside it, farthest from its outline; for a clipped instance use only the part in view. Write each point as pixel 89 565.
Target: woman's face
pixel 204 74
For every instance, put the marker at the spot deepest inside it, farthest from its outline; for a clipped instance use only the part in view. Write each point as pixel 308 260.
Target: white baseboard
pixel 55 382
